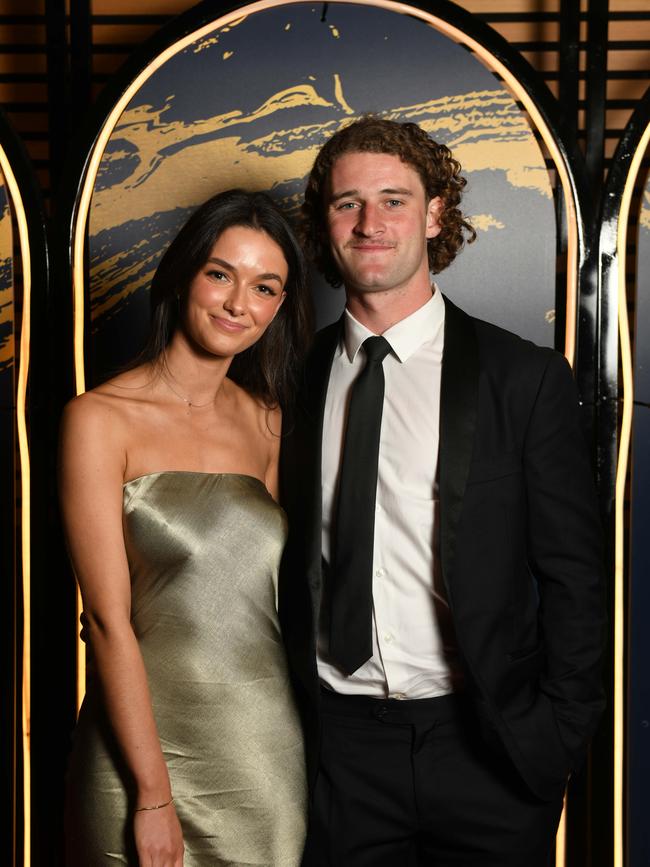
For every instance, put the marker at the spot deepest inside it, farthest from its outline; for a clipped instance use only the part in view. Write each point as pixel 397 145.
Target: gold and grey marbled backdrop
pixel 250 105
pixel 7 347
pixel 642 307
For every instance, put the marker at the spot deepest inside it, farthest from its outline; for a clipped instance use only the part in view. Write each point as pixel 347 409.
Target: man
pixel 441 587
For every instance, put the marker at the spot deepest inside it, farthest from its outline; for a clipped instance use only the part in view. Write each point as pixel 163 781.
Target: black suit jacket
pixel 520 545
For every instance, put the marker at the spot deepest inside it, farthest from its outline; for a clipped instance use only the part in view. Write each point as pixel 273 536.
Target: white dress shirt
pixel 413 644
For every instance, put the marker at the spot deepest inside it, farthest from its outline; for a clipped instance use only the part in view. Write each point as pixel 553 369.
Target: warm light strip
pixel 560 838
pixel 81 221
pixel 619 507
pixel 23 450
pixel 81 655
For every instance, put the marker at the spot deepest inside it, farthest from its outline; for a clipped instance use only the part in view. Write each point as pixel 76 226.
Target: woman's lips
pixel 228 325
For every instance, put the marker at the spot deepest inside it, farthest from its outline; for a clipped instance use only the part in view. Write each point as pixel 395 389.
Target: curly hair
pixel 438 171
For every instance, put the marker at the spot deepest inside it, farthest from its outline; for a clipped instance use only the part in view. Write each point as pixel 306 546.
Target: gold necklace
pixel 186 400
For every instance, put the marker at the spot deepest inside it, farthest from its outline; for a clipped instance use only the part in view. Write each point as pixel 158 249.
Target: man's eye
pixel 346 206
pixel 394 202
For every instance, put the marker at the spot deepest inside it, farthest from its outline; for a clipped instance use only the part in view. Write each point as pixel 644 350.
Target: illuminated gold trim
pixel 81 655
pixel 25 524
pixel 560 838
pixel 81 221
pixel 619 506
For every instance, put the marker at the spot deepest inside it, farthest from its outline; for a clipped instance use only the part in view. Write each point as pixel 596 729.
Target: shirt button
pixel 380 573
pixel 388 637
pixel 400 696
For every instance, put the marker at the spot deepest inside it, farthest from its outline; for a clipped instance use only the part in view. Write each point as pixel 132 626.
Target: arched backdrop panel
pixel 249 104
pixel 626 288
pixel 639 635
pixel 22 267
pixel 8 733
pixel 7 344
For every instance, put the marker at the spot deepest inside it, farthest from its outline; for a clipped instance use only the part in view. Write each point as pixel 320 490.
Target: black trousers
pixel 406 783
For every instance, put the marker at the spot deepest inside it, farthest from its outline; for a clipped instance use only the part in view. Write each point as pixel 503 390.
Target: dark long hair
pixel 269 368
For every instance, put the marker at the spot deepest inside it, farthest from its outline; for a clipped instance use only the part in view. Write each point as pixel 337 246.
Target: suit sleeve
pixel 565 555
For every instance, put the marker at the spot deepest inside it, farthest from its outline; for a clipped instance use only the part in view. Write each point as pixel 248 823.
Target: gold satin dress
pixel 204 551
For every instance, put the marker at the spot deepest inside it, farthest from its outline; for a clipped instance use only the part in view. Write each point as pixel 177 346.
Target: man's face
pixel 379 221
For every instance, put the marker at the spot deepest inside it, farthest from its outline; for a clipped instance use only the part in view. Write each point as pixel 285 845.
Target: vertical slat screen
pixel 23 78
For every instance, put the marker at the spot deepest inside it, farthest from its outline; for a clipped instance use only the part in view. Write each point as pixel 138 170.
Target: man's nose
pixel 369 221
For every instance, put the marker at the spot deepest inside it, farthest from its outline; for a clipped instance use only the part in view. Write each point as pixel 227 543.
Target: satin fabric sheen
pixel 203 551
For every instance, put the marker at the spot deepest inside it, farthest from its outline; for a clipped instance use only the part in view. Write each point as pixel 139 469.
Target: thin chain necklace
pixel 186 400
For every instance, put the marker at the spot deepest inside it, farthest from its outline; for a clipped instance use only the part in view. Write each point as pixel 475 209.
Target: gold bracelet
pixel 156 807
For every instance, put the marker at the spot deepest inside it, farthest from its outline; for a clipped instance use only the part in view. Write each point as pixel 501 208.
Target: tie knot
pixel 376 349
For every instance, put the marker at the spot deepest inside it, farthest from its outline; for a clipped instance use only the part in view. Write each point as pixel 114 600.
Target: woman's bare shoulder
pixel 114 398
pixel 138 384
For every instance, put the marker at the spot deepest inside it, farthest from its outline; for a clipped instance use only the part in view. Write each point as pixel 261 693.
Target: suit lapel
pixel 458 414
pixel 317 380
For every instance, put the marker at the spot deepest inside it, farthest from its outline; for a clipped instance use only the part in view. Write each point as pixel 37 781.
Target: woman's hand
pixel 158 837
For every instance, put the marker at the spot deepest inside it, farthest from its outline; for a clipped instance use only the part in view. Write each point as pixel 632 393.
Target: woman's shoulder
pixel 109 411
pixel 114 399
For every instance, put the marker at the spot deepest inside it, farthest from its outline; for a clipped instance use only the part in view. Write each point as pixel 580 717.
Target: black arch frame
pixel 11 563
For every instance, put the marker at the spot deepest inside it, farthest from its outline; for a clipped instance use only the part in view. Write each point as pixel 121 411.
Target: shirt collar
pixel 406 336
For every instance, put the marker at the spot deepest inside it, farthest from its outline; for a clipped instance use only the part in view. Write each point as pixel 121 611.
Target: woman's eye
pixel 266 290
pixel 217 275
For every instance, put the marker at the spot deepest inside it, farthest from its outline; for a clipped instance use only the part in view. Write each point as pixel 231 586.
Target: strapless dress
pixel 204 552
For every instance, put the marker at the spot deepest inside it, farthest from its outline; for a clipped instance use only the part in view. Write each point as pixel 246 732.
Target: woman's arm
pixel 92 463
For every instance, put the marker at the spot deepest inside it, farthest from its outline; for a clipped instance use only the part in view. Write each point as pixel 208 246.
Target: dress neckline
pixel 194 473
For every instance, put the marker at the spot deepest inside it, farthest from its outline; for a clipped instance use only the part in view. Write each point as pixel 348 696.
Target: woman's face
pixel 233 299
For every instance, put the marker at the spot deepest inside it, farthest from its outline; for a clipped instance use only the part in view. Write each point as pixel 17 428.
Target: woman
pixel 188 739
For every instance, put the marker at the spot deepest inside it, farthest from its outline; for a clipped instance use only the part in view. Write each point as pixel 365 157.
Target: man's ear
pixel 434 210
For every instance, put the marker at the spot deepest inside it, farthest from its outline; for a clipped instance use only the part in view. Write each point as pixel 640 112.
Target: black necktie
pixel 351 572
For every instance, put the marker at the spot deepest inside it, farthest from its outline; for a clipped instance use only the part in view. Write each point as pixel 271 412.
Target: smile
pixel 227 325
